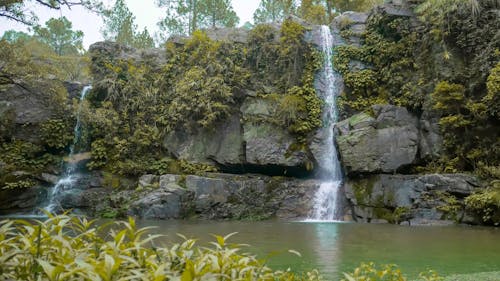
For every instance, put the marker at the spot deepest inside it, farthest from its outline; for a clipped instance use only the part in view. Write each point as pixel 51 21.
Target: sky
pixel 145 11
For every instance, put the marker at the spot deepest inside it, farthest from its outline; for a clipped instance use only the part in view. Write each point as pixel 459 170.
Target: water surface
pixel 334 248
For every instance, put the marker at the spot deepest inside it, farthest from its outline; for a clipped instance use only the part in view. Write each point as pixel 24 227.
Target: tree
pixel 185 16
pixel 119 26
pixel 217 13
pixel 313 11
pixel 144 40
pixel 13 36
pixel 58 34
pixel 273 10
pixel 19 10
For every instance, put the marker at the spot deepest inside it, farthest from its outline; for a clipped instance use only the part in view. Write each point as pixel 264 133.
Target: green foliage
pixel 195 168
pixel 21 155
pixel 370 272
pixel 22 160
pixel 492 98
pixel 136 104
pixel 21 184
pixel 313 11
pixel 486 203
pixel 59 35
pixel 388 272
pixel 424 68
pixel 71 248
pixel 56 133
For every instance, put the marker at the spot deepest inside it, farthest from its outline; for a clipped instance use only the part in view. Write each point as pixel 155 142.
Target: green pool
pixel 334 248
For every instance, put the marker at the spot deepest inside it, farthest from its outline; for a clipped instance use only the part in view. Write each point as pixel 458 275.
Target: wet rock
pixel 49 178
pixel 22 200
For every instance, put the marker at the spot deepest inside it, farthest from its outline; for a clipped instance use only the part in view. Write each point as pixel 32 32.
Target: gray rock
pixel 349 18
pixel 23 110
pixel 392 116
pixel 207 191
pixel 74 89
pixel 223 144
pixel 397 8
pixel 49 178
pixel 19 201
pixel 380 196
pixel 167 179
pixel 386 142
pixel 236 35
pixel 431 140
pixel 265 144
pixel 163 203
pixel 147 180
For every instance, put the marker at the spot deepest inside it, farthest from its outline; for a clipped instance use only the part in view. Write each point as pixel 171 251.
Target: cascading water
pixel 326 198
pixel 70 176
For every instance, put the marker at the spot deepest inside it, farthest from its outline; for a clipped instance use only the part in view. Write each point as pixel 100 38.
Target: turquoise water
pixel 334 248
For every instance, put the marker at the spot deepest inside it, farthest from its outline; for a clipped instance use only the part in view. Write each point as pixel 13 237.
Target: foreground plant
pixel 387 272
pixel 73 248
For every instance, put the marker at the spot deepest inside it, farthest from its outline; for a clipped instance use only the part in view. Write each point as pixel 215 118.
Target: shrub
pixel 486 203
pixel 387 272
pixel 72 248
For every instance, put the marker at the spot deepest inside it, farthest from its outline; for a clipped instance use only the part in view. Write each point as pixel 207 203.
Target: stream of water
pixel 69 176
pixel 326 201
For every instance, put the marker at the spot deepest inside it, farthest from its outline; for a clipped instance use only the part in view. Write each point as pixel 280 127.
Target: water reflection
pixel 326 250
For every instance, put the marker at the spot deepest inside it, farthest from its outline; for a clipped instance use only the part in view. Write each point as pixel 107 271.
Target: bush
pixel 387 272
pixel 486 203
pixel 72 248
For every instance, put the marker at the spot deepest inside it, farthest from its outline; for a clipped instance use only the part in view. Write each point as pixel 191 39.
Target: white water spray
pixel 326 201
pixel 69 176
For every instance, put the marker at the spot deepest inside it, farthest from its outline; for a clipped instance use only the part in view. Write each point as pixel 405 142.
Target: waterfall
pixel 329 87
pixel 69 176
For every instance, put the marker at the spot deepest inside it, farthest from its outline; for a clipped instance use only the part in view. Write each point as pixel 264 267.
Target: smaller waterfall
pixel 69 176
pixel 326 198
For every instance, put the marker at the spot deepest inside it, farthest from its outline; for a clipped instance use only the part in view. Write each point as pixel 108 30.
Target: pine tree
pixel 183 17
pixel 273 11
pixel 59 35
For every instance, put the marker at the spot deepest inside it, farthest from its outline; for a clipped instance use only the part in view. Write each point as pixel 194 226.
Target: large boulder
pixel 265 142
pixel 208 192
pixel 225 196
pixel 167 202
pixel 222 145
pixel 431 140
pixel 18 201
pixel 414 198
pixel 386 142
pixel 26 110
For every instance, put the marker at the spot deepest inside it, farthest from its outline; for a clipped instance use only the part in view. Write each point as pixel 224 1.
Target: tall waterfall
pixel 69 176
pixel 330 86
